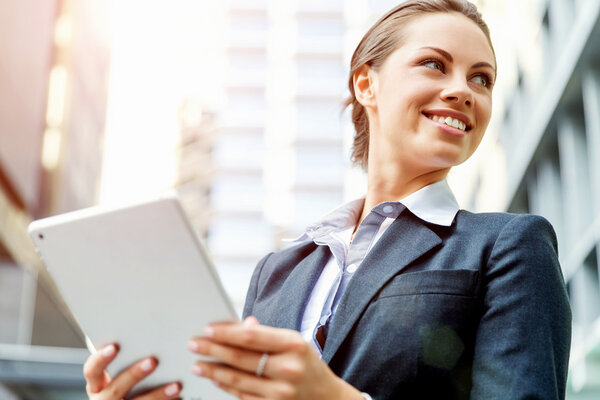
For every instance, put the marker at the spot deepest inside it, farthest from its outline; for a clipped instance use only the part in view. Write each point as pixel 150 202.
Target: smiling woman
pixel 400 295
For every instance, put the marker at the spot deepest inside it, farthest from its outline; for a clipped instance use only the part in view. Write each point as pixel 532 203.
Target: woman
pixel 399 295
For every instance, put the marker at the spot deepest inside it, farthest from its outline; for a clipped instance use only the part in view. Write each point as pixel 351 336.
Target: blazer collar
pixel 405 240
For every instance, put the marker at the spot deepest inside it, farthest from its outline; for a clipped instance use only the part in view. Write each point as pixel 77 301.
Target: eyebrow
pixel 447 56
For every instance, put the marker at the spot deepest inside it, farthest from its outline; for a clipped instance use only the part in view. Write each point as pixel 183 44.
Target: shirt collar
pixel 434 203
pixel 340 218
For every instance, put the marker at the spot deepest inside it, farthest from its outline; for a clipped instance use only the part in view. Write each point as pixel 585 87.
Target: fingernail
pixel 209 332
pixel 192 345
pixel 196 369
pixel 147 365
pixel 172 389
pixel 109 350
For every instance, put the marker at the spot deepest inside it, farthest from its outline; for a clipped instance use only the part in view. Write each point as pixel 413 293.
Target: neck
pixel 392 184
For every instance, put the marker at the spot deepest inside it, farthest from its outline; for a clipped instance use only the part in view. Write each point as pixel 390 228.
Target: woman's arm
pixel 523 340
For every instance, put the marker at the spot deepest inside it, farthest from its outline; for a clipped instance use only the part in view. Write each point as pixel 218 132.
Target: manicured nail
pixel 147 365
pixel 209 332
pixel 192 345
pixel 109 350
pixel 172 389
pixel 196 369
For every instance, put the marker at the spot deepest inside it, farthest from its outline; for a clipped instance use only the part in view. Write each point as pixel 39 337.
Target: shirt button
pixel 323 320
pixel 351 268
pixel 388 209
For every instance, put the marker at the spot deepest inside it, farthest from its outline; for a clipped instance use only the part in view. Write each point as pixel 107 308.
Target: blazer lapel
pixel 296 289
pixel 405 240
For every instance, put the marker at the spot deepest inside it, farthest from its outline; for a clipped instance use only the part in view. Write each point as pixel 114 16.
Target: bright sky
pixel 163 51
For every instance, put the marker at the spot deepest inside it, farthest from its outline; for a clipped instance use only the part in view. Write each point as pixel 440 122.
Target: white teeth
pixel 453 122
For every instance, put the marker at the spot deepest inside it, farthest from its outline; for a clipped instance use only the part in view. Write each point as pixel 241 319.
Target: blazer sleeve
pixel 523 339
pixel 253 287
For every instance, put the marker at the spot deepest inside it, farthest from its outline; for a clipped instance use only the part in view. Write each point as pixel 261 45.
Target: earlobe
pixel 364 86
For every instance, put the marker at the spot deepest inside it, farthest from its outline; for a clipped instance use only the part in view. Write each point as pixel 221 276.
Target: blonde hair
pixel 380 41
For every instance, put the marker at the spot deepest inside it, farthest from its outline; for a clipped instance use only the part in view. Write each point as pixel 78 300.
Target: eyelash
pixel 442 68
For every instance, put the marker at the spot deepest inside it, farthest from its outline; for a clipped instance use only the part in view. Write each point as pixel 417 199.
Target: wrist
pixel 347 391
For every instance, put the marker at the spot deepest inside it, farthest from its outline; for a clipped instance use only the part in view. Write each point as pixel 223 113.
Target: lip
pixel 452 114
pixel 448 129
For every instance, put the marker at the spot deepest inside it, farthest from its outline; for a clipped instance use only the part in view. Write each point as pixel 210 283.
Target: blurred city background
pixel 238 105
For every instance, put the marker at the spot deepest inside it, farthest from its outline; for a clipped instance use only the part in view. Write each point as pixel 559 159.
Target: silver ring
pixel 262 363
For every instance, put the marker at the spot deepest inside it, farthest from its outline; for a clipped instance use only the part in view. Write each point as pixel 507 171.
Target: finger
pixel 170 391
pixel 228 389
pixel 232 378
pixel 237 393
pixel 94 369
pixel 235 356
pixel 127 379
pixel 259 338
pixel 250 321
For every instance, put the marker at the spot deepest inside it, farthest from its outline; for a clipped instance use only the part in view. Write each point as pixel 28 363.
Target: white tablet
pixel 138 276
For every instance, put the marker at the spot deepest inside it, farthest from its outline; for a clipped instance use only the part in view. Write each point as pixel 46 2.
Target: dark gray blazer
pixel 477 310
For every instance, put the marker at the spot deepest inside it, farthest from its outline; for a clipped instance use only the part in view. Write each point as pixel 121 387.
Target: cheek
pixel 404 97
pixel 484 112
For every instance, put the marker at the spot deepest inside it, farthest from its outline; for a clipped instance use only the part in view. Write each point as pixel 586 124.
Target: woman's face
pixel 432 98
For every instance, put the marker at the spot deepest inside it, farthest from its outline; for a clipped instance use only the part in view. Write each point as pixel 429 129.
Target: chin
pixel 447 157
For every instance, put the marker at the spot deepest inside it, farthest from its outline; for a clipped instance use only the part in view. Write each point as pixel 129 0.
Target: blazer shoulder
pixel 494 230
pixel 292 254
pixel 279 264
pixel 498 221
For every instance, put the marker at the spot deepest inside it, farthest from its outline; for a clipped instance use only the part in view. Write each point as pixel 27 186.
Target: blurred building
pixel 551 137
pixel 195 163
pixel 238 234
pixel 305 155
pixel 53 80
pixel 277 153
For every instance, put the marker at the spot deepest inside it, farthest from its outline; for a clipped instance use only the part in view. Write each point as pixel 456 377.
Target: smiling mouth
pixel 453 122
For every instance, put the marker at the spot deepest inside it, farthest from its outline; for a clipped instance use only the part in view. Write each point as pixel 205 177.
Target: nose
pixel 458 92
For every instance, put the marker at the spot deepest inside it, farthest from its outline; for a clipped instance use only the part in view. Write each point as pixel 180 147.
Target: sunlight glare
pixel 162 53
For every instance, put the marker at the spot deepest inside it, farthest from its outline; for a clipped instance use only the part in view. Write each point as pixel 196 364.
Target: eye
pixel 433 64
pixel 483 80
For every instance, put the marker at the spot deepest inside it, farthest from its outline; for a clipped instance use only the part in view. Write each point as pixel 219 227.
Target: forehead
pixel 452 32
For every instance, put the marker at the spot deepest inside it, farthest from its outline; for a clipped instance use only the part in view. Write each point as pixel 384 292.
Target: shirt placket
pixel 359 247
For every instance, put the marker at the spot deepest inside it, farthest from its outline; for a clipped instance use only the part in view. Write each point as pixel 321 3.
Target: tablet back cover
pixel 137 276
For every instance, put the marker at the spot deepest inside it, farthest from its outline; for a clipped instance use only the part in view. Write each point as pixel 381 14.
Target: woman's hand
pixel 101 387
pixel 293 369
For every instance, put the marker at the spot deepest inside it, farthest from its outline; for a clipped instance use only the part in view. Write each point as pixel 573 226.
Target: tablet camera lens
pixel 41 236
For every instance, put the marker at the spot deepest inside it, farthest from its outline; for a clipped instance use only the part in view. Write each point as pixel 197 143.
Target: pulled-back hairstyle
pixel 380 41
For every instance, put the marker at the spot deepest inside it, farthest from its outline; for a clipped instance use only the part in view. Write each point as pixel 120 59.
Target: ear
pixel 364 86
